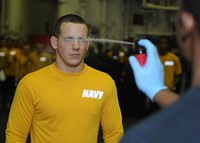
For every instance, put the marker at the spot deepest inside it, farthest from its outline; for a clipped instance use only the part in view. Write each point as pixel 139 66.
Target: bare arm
pixel 166 97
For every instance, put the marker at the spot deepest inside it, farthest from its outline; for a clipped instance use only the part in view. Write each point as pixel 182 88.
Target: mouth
pixel 74 55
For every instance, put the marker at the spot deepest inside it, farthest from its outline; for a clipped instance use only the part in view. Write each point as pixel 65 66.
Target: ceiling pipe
pixel 148 5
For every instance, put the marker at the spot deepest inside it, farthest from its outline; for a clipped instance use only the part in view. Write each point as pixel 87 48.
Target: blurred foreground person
pixel 179 122
pixel 67 101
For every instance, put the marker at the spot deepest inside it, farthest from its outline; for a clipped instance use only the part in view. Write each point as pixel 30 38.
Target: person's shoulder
pixel 171 54
pixel 40 72
pixel 169 124
pixel 192 94
pixel 98 73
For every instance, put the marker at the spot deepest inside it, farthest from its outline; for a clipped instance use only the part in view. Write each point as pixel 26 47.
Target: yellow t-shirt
pixel 59 107
pixel 172 67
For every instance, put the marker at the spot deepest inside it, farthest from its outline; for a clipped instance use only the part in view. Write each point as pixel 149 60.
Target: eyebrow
pixel 75 38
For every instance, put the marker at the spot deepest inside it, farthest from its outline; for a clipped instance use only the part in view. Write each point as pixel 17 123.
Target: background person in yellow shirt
pixel 66 102
pixel 171 63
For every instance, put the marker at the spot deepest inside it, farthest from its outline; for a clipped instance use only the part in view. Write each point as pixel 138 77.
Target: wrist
pixel 165 97
pixel 154 91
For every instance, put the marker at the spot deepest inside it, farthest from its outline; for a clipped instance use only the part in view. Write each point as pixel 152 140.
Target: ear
pixel 54 42
pixel 88 45
pixel 187 21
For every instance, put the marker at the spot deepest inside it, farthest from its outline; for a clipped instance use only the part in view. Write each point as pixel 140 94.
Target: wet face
pixel 71 45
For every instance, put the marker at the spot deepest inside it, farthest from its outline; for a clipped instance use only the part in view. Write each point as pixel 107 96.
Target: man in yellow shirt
pixel 67 101
pixel 171 63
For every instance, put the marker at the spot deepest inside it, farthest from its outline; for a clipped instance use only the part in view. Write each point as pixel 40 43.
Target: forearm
pixel 111 118
pixel 20 116
pixel 166 97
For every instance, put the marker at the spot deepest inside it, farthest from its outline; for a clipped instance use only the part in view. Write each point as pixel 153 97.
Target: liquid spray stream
pixel 110 41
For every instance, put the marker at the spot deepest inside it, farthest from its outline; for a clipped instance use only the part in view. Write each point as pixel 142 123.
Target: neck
pixel 196 61
pixel 70 69
pixel 162 52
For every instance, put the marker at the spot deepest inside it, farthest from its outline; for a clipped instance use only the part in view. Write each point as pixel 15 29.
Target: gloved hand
pixel 150 77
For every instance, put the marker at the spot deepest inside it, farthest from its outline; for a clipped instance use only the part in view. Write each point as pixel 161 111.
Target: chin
pixel 75 64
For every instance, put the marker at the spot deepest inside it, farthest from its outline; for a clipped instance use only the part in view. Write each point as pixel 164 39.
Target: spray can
pixel 140 53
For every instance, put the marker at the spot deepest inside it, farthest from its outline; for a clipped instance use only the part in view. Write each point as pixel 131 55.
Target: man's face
pixel 72 44
pixel 163 45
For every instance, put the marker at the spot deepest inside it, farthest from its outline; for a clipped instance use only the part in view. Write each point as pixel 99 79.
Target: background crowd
pixel 19 57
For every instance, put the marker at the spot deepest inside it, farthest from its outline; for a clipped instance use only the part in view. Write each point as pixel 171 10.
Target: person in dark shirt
pixel 178 122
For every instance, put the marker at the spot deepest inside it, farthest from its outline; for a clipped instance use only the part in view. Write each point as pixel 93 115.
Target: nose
pixel 76 45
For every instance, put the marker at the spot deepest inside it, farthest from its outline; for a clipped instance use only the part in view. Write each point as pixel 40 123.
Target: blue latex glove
pixel 150 77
